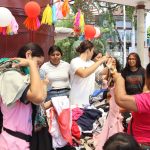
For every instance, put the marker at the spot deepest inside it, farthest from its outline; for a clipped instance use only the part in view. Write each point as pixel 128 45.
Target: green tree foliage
pixel 68 22
pixel 148 32
pixel 130 12
pixel 67 47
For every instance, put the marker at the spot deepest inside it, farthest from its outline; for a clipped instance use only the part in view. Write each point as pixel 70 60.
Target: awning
pixel 129 2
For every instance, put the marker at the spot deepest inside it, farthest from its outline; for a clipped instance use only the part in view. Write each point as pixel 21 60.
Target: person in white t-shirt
pixel 57 71
pixel 82 74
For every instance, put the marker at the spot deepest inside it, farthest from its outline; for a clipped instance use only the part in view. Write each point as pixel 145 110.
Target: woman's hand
pixel 117 76
pixel 103 59
pixel 21 62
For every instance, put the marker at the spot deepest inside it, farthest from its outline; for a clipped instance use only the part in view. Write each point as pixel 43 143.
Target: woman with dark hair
pixel 134 74
pixel 82 73
pixel 20 78
pixel 33 48
pixel 57 72
pixel 121 141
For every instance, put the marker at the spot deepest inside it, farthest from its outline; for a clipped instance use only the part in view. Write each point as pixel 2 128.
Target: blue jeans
pixel 57 92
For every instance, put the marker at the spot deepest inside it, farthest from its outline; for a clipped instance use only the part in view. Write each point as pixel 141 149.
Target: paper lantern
pixel 32 9
pixel 89 32
pixel 5 17
pixel 97 34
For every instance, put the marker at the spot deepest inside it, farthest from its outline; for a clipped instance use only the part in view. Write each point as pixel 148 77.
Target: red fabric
pixel 64 124
pixel 75 130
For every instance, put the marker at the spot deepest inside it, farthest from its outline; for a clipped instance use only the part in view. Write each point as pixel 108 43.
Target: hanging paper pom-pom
pixel 97 34
pixel 11 29
pixel 3 30
pixel 47 15
pixel 59 10
pixel 82 23
pixel 54 16
pixel 5 17
pixel 14 26
pixel 32 10
pixel 81 38
pixel 32 24
pixel 89 32
pixel 79 23
pixel 65 8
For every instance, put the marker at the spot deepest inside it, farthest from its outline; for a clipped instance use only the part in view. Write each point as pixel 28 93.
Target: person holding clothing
pixel 139 105
pixel 134 75
pixel 113 122
pixel 82 74
pixel 22 82
pixel 57 72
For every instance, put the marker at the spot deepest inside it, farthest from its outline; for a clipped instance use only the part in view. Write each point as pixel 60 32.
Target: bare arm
pixel 85 72
pixel 38 88
pixel 122 99
pixel 37 91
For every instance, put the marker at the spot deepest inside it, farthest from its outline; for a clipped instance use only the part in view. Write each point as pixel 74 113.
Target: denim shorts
pixel 57 92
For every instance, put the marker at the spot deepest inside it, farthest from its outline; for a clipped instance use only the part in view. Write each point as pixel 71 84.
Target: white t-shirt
pixel 81 88
pixel 58 75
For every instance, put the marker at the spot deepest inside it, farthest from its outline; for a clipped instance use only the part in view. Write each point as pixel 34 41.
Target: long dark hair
pixel 138 61
pixel 118 65
pixel 37 51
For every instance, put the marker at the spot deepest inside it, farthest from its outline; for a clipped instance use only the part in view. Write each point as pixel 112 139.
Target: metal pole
pixel 124 37
pixel 133 36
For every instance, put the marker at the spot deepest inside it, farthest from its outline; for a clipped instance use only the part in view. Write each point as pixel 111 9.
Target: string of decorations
pixel 50 15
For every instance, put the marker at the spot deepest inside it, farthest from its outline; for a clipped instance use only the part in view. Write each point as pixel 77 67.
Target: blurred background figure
pixel 121 141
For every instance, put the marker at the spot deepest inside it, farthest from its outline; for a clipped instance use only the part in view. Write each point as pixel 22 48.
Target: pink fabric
pixel 59 10
pixel 16 117
pixel 76 113
pixel 112 125
pixel 14 25
pixel 141 121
